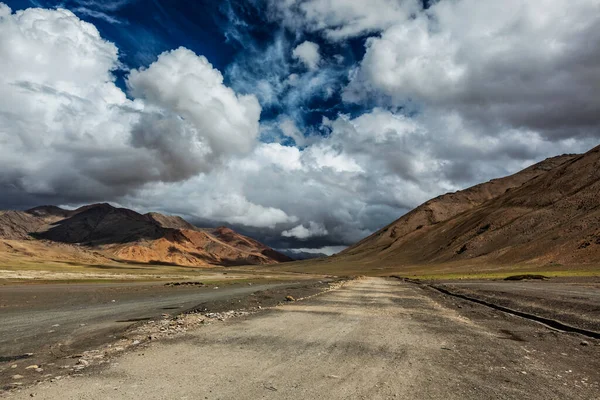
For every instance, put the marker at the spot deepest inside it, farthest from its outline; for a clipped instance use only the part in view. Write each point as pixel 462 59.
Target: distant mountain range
pixel 102 233
pixel 548 213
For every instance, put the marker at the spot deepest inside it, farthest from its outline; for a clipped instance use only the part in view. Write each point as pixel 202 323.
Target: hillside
pixel 101 232
pixel 547 214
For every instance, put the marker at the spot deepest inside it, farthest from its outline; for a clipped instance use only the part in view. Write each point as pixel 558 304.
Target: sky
pixel 307 124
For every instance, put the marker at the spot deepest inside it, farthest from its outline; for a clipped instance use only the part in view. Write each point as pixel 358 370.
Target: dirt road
pixel 372 339
pixel 38 317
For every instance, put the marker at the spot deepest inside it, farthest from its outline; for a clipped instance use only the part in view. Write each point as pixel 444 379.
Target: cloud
pixel 368 171
pixel 302 232
pixel 520 64
pixel 107 5
pixel 318 252
pixel 341 19
pixel 286 89
pixel 187 86
pixel 69 134
pixel 308 53
pixel 443 99
pixel 97 14
pixel 289 129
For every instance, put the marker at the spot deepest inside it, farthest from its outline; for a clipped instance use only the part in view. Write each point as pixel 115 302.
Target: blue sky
pixel 308 124
pixel 235 36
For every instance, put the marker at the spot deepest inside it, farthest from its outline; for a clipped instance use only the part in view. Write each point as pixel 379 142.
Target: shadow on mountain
pixel 101 224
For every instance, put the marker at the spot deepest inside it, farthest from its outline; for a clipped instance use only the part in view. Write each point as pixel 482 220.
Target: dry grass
pixel 339 266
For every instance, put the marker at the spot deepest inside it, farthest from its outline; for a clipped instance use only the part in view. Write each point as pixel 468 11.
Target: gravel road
pixel 372 339
pixel 35 318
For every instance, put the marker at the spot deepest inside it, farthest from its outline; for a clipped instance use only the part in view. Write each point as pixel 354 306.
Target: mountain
pixel 103 231
pixel 548 213
pixel 170 221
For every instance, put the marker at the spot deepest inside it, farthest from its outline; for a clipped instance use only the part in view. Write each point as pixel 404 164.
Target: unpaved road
pixel 372 339
pixel 35 317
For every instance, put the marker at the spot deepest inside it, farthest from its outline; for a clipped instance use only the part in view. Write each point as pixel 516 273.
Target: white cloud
pixel 302 232
pixel 289 129
pixel 341 19
pixel 308 53
pixel 518 63
pixel 68 132
pixel 327 250
pixel 185 143
pixel 366 173
pixel 187 85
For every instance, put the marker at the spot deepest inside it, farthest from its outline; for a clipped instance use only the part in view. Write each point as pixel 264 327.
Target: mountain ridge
pixel 546 214
pixel 126 235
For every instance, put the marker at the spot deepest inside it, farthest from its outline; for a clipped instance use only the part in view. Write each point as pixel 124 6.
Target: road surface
pixel 372 339
pixel 34 317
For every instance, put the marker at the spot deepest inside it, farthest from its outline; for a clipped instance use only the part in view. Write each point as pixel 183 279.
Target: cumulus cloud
pixel 520 64
pixel 308 53
pixel 186 85
pixel 368 171
pixel 302 232
pixel 463 92
pixel 69 133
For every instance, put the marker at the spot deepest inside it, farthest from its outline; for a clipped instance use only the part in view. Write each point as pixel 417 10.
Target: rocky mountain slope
pixel 102 232
pixel 548 213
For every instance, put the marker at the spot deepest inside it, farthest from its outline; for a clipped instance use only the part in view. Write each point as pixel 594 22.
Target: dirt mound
pixel 547 213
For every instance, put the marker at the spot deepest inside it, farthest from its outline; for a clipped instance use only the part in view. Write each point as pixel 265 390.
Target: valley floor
pixel 374 338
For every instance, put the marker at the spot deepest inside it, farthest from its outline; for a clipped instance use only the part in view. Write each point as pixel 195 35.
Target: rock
pixel 289 298
pixel 584 343
pixel 14 366
pixel 83 362
pixel 32 367
pixel 39 370
pixel 17 377
pixel 135 342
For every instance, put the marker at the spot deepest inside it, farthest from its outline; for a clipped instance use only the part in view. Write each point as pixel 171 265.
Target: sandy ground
pixel 574 301
pixel 372 339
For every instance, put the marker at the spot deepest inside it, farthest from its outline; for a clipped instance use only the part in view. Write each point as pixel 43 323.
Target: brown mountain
pixel 548 213
pixel 122 234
